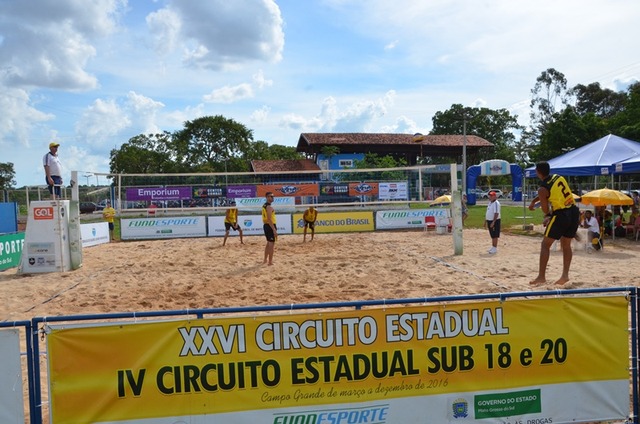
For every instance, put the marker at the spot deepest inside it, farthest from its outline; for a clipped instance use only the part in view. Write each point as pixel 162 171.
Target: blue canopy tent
pixel 596 158
pixel 628 166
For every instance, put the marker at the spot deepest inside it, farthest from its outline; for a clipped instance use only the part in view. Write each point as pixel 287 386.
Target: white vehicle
pixel 485 194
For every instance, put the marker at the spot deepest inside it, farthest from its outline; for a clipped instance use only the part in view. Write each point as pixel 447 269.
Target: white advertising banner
pixel 410 218
pixel 163 228
pixel 393 191
pixel 94 233
pixel 251 225
pixel 255 203
pixel 11 401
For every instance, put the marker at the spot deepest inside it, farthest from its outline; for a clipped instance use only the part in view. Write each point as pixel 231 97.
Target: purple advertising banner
pixel 241 191
pixel 159 193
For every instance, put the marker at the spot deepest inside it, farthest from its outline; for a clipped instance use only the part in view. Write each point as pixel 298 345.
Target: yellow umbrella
pixel 442 200
pixel 606 196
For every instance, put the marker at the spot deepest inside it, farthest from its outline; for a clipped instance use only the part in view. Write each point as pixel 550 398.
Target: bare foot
pixel 270 263
pixel 538 281
pixel 562 280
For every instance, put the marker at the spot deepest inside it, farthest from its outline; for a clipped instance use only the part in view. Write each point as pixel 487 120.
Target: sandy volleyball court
pixel 201 273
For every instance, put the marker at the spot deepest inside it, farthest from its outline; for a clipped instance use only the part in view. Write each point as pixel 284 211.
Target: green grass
pixel 511 217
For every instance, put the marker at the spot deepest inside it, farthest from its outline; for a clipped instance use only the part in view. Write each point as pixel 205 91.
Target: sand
pixel 177 274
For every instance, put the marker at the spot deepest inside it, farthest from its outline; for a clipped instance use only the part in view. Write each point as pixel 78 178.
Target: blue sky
pixel 92 74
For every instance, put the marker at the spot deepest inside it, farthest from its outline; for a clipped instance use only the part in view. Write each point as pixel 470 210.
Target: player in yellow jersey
pixel 309 221
pixel 108 213
pixel 269 227
pixel 562 218
pixel 231 221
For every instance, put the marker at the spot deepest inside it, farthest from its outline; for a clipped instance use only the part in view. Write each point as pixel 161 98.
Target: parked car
pixel 88 207
pixel 485 194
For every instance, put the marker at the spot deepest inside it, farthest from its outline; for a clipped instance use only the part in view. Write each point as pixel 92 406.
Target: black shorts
pixel 111 226
pixel 495 231
pixel 228 226
pixel 563 223
pixel 309 224
pixel 268 232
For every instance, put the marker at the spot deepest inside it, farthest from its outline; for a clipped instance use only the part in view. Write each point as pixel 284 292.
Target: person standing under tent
pixel 108 213
pixel 231 221
pixel 309 220
pixel 562 218
pixel 269 228
pixel 53 170
pixel 492 221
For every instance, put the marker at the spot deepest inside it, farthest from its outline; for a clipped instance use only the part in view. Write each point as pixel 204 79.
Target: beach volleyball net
pixel 336 188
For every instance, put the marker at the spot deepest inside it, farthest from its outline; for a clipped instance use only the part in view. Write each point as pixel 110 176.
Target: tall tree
pixel 627 123
pixel 7 176
pixel 496 126
pixel 208 144
pixel 144 154
pixel 548 96
pixel 602 102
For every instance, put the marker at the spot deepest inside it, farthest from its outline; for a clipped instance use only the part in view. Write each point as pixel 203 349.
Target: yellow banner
pixel 209 366
pixel 337 222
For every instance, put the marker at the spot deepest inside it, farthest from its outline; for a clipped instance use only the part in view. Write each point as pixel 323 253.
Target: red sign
pixel 43 213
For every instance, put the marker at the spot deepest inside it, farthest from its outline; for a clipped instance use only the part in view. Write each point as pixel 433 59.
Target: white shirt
pixel 52 161
pixel 492 209
pixel 592 223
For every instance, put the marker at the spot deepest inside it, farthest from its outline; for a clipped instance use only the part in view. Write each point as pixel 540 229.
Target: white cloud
pixel 260 81
pixel 165 26
pixel 261 115
pixel 18 117
pixel 217 34
pixel 101 121
pixel 358 117
pixel 49 44
pixel 229 94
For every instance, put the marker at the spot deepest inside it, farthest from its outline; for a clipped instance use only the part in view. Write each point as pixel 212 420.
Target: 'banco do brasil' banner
pixel 337 222
pixel 534 359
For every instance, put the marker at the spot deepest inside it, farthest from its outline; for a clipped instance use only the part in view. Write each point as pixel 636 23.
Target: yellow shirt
pixel 231 216
pixel 310 215
pixel 265 219
pixel 560 196
pixel 108 213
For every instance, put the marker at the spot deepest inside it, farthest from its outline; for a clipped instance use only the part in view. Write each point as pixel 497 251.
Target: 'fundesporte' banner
pixel 11 249
pixel 256 203
pixel 161 228
pixel 337 222
pixel 517 360
pixel 410 218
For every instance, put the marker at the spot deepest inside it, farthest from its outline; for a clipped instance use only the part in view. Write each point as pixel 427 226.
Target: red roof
pixel 284 165
pixel 384 143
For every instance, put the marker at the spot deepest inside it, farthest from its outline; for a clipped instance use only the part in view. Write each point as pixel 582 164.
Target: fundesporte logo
pixel 377 414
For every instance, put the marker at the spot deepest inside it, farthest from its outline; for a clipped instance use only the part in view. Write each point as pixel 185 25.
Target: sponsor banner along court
pixel 11 246
pixel 337 222
pixel 531 360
